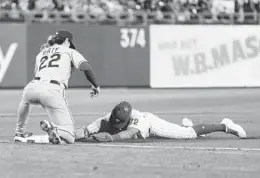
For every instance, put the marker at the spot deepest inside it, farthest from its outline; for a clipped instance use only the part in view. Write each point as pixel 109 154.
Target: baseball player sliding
pixel 124 123
pixel 53 68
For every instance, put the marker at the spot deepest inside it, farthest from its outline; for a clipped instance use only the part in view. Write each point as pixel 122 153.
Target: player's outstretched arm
pixel 89 73
pixel 123 135
pixel 86 132
pixel 82 64
pixel 99 125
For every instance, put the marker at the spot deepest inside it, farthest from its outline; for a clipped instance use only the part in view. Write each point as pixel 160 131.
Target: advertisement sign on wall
pixel 13 55
pixel 204 56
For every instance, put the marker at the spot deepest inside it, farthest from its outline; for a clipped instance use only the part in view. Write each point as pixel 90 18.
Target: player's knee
pixel 67 136
pixel 69 139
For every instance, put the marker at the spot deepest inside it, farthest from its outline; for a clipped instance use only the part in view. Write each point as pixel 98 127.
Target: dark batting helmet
pixel 121 115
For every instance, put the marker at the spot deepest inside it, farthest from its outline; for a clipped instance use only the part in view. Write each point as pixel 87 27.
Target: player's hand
pixel 102 137
pixel 95 91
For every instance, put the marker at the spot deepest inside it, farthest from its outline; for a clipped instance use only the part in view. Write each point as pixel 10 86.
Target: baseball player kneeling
pixel 54 64
pixel 125 123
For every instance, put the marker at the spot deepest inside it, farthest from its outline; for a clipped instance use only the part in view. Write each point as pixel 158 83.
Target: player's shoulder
pixel 65 49
pixel 107 116
pixel 73 52
pixel 136 114
pixel 40 55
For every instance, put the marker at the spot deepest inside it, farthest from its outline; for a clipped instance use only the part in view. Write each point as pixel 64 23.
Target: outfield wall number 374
pixel 132 37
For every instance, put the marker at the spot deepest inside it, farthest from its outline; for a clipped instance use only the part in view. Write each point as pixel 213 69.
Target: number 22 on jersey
pixel 47 61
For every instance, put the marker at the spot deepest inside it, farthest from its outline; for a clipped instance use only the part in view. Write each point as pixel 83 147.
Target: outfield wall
pixel 204 56
pixel 119 55
pixel 158 56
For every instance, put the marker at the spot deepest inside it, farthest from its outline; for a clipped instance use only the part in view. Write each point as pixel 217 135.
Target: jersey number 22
pixel 51 63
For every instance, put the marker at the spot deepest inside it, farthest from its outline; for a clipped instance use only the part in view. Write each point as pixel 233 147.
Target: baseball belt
pixel 51 81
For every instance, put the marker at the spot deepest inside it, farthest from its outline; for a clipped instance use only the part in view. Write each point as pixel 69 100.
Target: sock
pixel 202 129
pixel 23 111
pixel 38 139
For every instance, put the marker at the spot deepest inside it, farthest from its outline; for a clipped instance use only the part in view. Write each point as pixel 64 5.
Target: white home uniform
pixel 150 125
pixel 53 69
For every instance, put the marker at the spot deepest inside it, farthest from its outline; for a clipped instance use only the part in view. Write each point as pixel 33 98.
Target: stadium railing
pixel 138 18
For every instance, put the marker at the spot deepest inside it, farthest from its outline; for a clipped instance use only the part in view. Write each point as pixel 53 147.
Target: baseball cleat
pixel 46 126
pixel 233 128
pixel 22 136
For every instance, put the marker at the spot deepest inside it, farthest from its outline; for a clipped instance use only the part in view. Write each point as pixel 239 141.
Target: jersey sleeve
pixel 142 124
pixel 77 58
pixel 95 126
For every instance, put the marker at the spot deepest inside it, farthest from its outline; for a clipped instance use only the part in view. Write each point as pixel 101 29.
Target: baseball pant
pixel 52 98
pixel 163 129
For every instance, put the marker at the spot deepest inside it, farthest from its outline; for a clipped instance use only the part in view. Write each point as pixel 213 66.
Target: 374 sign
pixel 132 37
pixel 6 58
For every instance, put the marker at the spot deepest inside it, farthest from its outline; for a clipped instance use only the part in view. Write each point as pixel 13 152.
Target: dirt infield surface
pixel 217 155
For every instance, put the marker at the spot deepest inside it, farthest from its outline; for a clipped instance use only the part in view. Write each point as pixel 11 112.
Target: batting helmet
pixel 121 115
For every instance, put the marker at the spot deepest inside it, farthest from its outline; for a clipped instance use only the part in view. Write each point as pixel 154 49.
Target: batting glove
pixel 102 137
pixel 95 91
